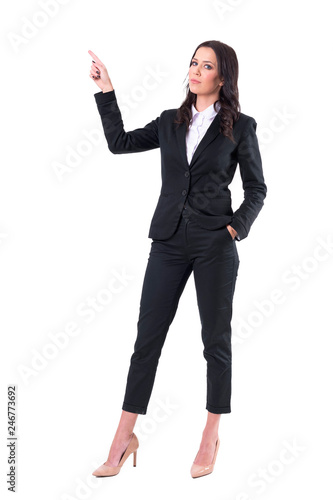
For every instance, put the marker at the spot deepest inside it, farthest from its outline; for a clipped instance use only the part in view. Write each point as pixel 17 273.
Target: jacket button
pixel 187 173
pixel 184 192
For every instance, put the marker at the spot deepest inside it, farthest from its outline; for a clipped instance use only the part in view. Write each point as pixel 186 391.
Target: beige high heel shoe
pixel 202 470
pixel 106 470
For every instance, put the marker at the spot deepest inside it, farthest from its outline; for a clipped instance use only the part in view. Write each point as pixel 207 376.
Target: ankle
pixel 210 435
pixel 123 435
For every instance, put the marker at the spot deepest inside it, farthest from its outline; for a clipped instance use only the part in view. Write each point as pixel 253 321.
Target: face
pixel 203 73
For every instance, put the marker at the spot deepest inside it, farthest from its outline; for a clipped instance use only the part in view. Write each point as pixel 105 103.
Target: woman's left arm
pixel 255 189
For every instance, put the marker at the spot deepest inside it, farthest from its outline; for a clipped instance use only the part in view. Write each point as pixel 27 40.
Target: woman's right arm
pixel 119 141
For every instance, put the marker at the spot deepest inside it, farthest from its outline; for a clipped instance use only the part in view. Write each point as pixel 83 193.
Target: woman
pixel 193 229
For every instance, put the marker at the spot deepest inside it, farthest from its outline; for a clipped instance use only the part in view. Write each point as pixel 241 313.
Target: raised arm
pixel 119 141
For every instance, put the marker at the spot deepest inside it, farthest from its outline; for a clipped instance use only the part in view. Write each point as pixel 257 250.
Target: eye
pixel 208 66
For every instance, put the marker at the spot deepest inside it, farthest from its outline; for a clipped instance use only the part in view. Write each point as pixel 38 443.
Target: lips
pixel 194 81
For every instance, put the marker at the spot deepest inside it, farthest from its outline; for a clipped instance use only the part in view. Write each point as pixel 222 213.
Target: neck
pixel 204 101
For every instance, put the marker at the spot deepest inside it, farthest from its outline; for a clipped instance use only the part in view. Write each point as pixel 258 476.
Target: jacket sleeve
pixel 255 189
pixel 119 141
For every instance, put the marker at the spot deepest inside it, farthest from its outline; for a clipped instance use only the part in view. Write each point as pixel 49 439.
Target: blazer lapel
pixel 209 136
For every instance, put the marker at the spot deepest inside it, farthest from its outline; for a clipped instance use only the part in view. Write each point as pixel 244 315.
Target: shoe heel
pixel 134 459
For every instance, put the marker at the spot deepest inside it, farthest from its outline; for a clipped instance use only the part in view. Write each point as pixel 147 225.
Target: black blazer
pixel 203 184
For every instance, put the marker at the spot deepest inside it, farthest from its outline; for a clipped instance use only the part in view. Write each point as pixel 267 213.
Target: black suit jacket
pixel 203 184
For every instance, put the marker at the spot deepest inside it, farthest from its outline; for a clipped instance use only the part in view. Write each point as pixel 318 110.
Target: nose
pixel 196 70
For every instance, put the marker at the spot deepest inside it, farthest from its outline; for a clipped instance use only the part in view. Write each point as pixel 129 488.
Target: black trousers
pixel 213 258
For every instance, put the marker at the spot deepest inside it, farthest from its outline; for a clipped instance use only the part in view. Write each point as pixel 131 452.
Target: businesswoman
pixel 193 229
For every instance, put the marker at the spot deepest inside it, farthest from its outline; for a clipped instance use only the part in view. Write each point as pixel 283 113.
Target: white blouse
pixel 199 124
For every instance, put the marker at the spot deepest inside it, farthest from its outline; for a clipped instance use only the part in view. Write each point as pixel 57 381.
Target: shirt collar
pixel 208 113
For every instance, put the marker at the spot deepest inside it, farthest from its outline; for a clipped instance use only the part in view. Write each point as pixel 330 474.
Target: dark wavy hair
pixel 227 67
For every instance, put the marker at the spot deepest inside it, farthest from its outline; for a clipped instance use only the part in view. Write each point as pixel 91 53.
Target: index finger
pixel 95 57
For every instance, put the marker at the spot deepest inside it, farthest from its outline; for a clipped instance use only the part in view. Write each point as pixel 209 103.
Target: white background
pixel 62 239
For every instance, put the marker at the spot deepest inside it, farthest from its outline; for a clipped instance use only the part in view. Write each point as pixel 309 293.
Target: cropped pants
pixel 212 256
